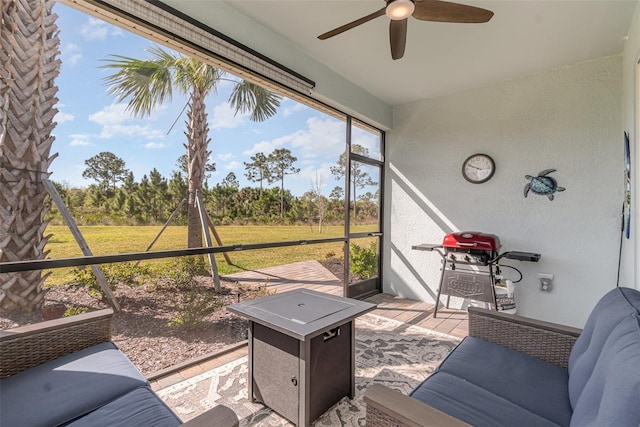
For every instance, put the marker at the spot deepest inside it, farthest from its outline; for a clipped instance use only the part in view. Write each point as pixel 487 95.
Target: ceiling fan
pixel 398 11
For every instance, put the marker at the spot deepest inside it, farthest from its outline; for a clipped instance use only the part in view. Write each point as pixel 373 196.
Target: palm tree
pixel 29 64
pixel 148 83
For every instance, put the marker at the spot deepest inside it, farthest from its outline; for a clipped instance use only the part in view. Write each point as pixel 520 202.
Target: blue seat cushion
pixel 474 404
pixel 611 396
pixel 61 390
pixel 613 307
pixel 140 407
pixel 535 385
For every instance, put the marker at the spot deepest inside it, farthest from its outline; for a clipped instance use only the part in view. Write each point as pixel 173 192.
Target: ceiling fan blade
pixel 442 11
pixel 351 25
pixel 398 37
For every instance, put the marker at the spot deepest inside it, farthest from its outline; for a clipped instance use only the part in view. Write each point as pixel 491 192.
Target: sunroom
pixel 547 91
pixel 528 88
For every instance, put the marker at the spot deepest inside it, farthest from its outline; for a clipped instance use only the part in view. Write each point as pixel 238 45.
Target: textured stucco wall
pixel 569 119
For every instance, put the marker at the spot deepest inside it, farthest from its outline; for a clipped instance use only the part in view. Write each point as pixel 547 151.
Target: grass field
pixel 108 240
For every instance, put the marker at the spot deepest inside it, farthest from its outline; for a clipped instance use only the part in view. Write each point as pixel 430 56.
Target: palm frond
pixel 144 83
pixel 260 102
pixel 147 83
pixel 192 73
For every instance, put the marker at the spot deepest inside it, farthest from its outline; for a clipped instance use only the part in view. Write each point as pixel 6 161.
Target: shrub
pixel 182 271
pixel 75 310
pixel 198 304
pixel 364 262
pixel 84 277
pixel 125 273
pixel 259 292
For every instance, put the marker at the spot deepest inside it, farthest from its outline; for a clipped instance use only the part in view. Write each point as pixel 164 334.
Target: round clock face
pixel 478 168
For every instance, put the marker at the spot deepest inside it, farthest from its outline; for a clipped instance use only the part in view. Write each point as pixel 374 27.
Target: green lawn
pixel 105 240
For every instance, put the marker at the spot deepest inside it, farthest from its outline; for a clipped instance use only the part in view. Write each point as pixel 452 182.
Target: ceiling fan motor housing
pixel 399 9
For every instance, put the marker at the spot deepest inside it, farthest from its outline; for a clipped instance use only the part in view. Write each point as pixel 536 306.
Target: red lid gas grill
pixel 471 247
pixel 470 261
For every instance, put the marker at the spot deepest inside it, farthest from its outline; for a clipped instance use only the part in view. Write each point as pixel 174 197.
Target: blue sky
pixel 91 121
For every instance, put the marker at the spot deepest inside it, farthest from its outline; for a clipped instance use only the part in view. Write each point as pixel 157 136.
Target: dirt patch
pixel 336 266
pixel 145 330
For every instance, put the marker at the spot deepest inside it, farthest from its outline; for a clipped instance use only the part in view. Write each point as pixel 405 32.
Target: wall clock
pixel 478 168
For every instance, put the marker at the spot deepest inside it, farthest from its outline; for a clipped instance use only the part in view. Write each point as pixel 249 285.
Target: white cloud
pixel 113 119
pixel 232 165
pixel 224 117
pixel 323 137
pixel 367 140
pixel 264 147
pixel 155 145
pixel 111 114
pixel 95 29
pixel 225 157
pixel 80 140
pixel 130 131
pixel 71 53
pixel 291 110
pixel 75 58
pixel 63 117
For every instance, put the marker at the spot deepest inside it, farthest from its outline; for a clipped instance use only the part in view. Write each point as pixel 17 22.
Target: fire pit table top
pixel 301 313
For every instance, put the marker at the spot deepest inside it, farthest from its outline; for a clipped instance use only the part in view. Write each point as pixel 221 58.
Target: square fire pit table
pixel 301 351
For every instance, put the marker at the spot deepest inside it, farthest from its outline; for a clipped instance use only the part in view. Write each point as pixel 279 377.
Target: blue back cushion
pixel 611 396
pixel 60 390
pixel 604 365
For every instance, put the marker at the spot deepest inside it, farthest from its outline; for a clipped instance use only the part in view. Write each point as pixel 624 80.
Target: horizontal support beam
pixel 17 266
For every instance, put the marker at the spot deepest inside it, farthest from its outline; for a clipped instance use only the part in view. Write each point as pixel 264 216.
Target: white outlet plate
pixel 546 281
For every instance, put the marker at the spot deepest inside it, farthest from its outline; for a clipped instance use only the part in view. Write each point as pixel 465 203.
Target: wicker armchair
pixel 543 340
pixel 28 346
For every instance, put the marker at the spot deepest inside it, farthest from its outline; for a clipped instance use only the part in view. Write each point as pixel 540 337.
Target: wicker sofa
pixel 511 371
pixel 68 372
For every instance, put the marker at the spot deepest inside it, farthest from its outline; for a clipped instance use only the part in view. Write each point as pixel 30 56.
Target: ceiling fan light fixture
pixel 399 9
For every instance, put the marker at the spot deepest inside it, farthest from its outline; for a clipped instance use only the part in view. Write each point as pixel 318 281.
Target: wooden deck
pixel 312 275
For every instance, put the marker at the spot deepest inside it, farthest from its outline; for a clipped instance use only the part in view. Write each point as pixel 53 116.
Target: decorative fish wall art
pixel 542 184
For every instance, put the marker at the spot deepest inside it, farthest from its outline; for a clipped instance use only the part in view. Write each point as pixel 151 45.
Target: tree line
pixel 116 197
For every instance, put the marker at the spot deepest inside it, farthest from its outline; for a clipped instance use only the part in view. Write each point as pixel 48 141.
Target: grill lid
pixel 472 240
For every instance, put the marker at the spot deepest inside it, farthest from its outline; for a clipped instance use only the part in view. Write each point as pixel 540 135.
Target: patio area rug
pixel 388 352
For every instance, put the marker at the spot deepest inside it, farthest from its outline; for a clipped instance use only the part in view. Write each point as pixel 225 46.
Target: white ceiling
pixel 524 37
